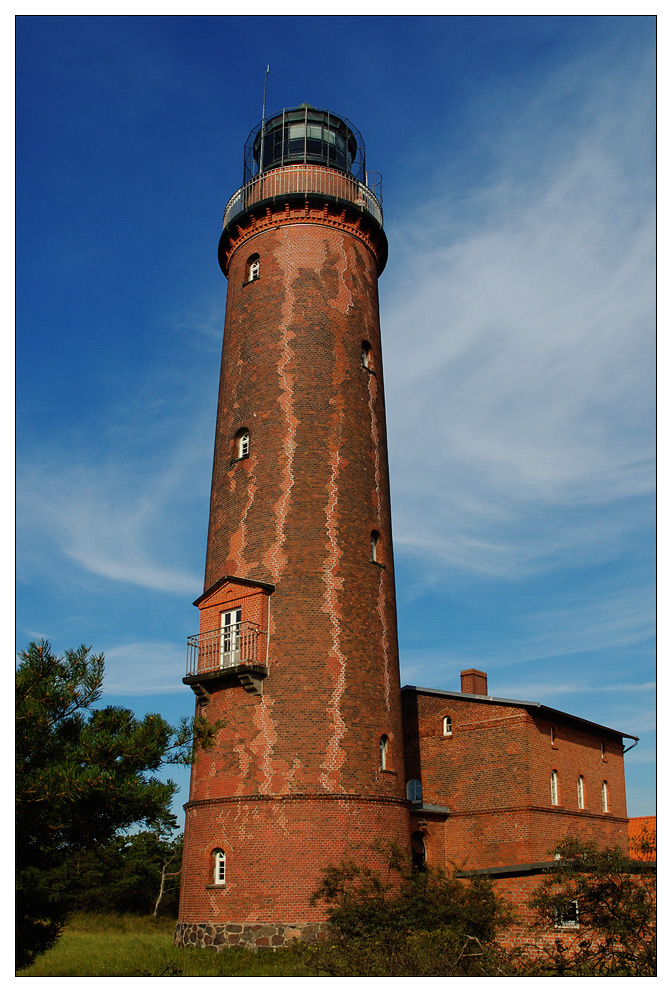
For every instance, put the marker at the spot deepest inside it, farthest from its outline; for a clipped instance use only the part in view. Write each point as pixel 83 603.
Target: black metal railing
pixel 226 647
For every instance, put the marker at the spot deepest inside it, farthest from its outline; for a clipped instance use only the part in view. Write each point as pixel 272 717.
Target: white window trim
pixel 219 877
pixel 447 727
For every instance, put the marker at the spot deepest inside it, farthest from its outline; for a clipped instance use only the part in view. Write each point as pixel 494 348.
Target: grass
pixel 136 946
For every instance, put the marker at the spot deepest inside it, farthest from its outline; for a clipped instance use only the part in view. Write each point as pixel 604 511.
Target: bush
pixel 410 922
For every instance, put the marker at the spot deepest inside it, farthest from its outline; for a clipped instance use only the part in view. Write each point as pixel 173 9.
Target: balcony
pixel 305 179
pixel 230 653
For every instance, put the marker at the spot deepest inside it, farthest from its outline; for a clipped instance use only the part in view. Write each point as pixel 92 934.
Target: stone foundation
pixel 250 935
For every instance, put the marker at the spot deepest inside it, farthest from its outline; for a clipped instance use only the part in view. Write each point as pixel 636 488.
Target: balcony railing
pixel 226 647
pixel 304 179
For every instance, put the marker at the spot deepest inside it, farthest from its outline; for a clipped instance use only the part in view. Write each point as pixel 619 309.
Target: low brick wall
pixel 250 935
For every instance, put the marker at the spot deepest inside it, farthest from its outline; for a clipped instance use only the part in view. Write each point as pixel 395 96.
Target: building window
pixel 367 357
pixel 253 268
pixel 384 747
pixel 219 867
pixel 603 751
pixel 447 727
pixel 568 916
pixel 579 791
pixel 553 740
pixel 605 797
pixel 375 543
pixel 554 788
pixel 241 444
pixel 414 790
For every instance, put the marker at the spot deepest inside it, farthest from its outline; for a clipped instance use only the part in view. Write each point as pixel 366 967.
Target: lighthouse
pixel 296 659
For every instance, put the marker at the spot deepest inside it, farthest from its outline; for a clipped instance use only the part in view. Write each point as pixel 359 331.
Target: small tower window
pixel 603 751
pixel 553 740
pixel 414 790
pixel 447 727
pixel 554 788
pixel 253 268
pixel 384 747
pixel 375 543
pixel 605 797
pixel 241 446
pixel 367 357
pixel 579 791
pixel 219 867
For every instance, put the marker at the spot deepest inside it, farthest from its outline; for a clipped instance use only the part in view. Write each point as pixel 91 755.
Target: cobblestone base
pixel 250 935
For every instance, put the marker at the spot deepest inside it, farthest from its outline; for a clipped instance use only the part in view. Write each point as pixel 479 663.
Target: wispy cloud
pixel 144 668
pixel 520 354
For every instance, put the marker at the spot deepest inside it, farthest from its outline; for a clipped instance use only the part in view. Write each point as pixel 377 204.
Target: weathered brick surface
pixel 294 781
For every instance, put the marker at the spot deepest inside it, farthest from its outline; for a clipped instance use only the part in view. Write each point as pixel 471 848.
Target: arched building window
pixel 414 790
pixel 447 727
pixel 219 859
pixel 241 444
pixel 375 542
pixel 579 792
pixel 605 797
pixel 367 356
pixel 383 745
pixel 554 788
pixel 253 268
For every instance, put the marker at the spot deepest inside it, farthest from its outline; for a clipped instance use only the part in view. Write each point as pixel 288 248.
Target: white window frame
pixel 447 727
pixel 383 746
pixel 554 788
pixel 244 444
pixel 375 541
pixel 580 792
pixel 253 268
pixel 605 796
pixel 219 873
pixel 568 922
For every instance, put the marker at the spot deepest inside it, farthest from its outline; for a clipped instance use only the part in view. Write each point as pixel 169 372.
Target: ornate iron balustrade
pixel 226 647
pixel 303 179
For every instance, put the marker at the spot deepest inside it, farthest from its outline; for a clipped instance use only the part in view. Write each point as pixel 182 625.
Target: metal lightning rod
pixel 263 121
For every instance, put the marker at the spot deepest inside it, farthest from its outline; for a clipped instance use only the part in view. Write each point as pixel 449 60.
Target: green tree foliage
pixel 408 922
pixel 82 776
pixel 124 875
pixel 616 899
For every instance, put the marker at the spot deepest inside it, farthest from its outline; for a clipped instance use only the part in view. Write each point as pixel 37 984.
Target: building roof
pixel 522 703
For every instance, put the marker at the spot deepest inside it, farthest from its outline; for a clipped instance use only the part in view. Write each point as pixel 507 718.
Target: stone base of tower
pixel 251 864
pixel 253 936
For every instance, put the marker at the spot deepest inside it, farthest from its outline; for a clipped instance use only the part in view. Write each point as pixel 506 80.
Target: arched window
pixel 602 751
pixel 383 745
pixel 414 790
pixel 367 356
pixel 253 268
pixel 219 858
pixel 241 446
pixel 375 542
pixel 447 727
pixel 579 791
pixel 605 797
pixel 554 788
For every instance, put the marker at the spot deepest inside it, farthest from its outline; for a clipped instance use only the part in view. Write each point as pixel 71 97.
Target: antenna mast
pixel 263 122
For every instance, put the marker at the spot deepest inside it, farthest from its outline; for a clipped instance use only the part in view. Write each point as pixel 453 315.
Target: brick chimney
pixel 474 682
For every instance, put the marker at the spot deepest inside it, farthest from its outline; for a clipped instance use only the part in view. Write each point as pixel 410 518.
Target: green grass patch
pixel 114 946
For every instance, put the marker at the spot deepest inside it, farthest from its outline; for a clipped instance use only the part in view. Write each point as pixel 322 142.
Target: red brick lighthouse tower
pixel 297 653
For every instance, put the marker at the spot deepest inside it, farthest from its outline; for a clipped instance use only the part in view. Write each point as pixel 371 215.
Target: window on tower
pixel 605 797
pixel 241 444
pixel 367 356
pixel 554 788
pixel 253 268
pixel 219 867
pixel 447 727
pixel 375 545
pixel 384 747
pixel 579 792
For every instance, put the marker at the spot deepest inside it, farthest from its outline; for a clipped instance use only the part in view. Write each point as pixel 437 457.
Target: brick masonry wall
pixel 298 513
pixel 493 773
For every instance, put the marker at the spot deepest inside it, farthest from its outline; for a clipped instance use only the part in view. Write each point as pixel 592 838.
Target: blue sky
pixel 517 309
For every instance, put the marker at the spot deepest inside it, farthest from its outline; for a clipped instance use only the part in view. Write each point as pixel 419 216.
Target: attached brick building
pixel 296 660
